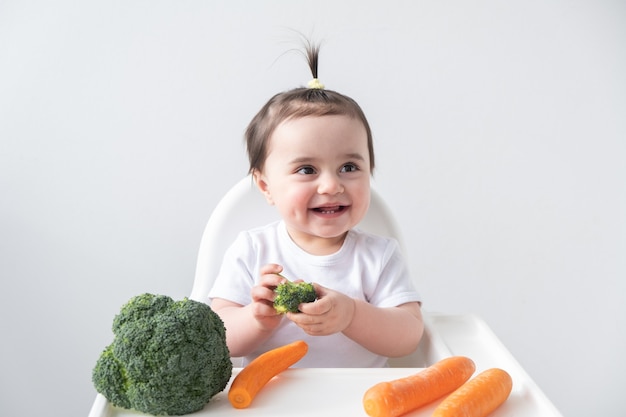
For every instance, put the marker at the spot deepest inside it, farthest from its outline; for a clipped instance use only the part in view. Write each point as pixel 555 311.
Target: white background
pixel 500 132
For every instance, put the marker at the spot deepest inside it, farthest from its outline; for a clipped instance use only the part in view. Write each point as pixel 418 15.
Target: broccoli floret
pixel 167 357
pixel 289 295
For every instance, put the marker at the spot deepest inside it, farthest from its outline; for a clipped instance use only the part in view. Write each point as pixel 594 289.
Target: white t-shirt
pixel 367 267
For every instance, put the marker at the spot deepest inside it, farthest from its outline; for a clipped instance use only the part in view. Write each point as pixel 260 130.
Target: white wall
pixel 499 127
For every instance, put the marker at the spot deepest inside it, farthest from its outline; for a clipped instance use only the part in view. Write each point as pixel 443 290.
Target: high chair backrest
pixel 243 207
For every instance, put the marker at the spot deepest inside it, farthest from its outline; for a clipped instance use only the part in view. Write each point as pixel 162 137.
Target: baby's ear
pixel 261 183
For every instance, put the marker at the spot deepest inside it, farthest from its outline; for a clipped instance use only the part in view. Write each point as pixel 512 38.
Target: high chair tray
pixel 339 391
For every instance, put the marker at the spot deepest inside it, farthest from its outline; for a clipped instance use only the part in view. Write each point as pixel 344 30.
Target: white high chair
pixel 244 207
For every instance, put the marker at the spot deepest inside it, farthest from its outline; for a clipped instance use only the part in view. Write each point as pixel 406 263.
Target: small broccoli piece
pixel 167 357
pixel 289 295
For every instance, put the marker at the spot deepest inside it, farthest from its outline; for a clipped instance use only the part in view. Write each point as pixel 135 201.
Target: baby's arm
pixel 250 325
pixel 391 332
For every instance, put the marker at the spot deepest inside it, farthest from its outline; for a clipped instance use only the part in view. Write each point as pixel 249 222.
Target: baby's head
pixel 312 101
pixel 311 155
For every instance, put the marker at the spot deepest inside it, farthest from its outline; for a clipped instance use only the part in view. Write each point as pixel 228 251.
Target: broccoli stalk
pixel 289 295
pixel 167 358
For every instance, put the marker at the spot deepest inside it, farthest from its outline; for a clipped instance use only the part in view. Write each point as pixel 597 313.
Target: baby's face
pixel 317 174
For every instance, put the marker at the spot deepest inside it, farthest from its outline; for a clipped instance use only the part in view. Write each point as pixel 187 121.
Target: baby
pixel 311 155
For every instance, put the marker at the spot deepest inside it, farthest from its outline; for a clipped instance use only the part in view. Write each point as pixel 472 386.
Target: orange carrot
pixel 394 398
pixel 257 373
pixel 478 397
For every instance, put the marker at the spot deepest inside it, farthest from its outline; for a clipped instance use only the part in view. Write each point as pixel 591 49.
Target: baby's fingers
pixel 270 276
pixel 316 308
pixel 262 293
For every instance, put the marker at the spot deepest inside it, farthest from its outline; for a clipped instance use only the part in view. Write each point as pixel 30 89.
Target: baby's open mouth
pixel 330 209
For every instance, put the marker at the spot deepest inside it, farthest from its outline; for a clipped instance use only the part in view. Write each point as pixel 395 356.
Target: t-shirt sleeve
pixel 235 279
pixel 395 285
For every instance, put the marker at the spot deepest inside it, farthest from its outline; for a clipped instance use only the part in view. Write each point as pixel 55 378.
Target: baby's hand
pixel 263 297
pixel 331 313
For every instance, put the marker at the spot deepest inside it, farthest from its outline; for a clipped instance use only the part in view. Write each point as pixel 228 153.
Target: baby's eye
pixel 349 168
pixel 307 170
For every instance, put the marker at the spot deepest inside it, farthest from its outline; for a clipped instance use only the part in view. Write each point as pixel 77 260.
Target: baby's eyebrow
pixel 307 160
pixel 356 156
pixel 301 160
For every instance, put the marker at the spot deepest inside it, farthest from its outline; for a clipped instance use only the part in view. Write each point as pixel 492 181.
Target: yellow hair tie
pixel 315 84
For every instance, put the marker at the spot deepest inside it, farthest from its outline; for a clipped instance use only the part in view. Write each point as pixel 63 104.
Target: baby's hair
pixel 297 103
pixel 312 56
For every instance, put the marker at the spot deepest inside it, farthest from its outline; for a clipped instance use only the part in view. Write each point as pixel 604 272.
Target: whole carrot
pixel 394 398
pixel 257 373
pixel 478 397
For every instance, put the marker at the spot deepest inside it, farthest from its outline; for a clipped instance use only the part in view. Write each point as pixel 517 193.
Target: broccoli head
pixel 167 357
pixel 289 295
